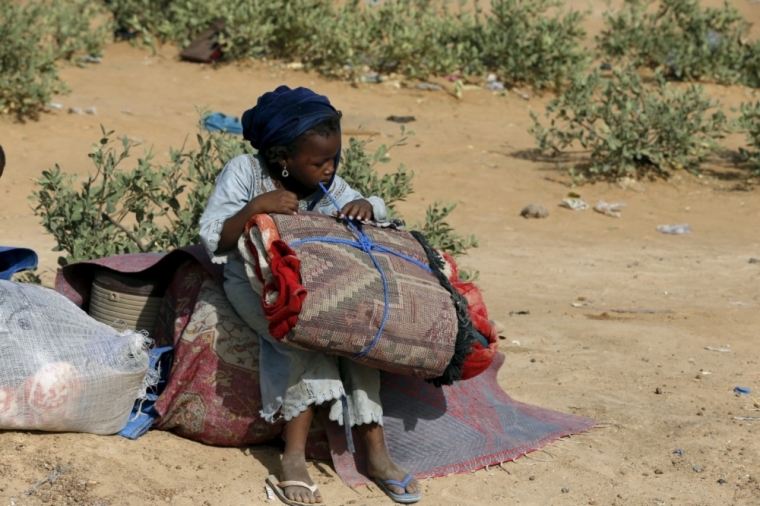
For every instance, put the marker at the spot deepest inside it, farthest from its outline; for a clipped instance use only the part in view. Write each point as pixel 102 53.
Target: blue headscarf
pixel 280 116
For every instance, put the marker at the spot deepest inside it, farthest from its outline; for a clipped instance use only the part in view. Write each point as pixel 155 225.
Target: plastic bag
pixel 60 370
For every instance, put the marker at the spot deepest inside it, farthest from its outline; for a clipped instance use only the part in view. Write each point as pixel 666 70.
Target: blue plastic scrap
pixel 742 391
pixel 218 122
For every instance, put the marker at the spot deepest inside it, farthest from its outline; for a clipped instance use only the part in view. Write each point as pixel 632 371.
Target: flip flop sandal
pixel 406 497
pixel 278 488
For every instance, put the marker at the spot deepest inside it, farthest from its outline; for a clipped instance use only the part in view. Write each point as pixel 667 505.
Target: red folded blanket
pixel 329 296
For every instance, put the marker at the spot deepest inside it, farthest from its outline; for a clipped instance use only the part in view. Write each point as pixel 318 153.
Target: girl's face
pixel 314 162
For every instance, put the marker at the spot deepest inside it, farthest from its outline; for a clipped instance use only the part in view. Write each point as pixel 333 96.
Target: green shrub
pixel 357 168
pixel 414 38
pixel 158 207
pixel 749 121
pixel 35 35
pixel 631 130
pixel 686 40
pixel 115 211
pixel 522 44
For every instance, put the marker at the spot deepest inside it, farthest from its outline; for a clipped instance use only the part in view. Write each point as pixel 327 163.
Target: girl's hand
pixel 279 201
pixel 359 209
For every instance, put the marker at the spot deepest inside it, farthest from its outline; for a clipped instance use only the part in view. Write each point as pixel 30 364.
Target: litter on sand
pixel 611 209
pixel 401 119
pixel 493 83
pixel 371 77
pixel 428 87
pixel 675 229
pixel 218 122
pixel 575 204
pixel 54 105
pixel 92 111
pixel 748 418
pixel 722 350
pixel 534 211
pixel 742 391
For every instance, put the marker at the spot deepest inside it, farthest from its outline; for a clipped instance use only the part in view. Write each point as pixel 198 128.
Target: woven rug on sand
pixel 454 429
pixel 430 431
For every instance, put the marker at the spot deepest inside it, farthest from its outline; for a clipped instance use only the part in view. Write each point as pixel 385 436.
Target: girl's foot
pixel 381 466
pixel 294 469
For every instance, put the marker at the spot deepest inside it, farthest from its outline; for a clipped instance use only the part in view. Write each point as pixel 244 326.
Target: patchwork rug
pixel 430 431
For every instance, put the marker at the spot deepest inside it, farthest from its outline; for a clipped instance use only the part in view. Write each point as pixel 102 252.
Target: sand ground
pixel 649 303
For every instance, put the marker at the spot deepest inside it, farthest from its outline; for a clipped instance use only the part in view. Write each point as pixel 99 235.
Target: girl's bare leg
pixel 381 465
pixel 294 458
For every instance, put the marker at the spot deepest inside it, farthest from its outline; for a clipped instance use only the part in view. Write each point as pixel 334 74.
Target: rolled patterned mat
pixel 375 294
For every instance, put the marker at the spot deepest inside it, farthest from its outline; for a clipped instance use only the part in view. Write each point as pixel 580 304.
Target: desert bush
pixel 34 36
pixel 156 207
pixel 631 130
pixel 519 40
pixel 357 168
pixel 522 44
pixel 115 211
pixel 684 39
pixel 749 122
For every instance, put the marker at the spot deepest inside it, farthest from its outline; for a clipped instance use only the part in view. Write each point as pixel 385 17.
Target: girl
pixel 297 135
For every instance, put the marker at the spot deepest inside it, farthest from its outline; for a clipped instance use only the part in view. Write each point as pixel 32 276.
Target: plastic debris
pixel 219 122
pixel 574 204
pixel 428 87
pixel 742 391
pixel 53 105
pixel 92 59
pixel 678 451
pixel 611 209
pixel 401 119
pixel 747 418
pixel 722 350
pixel 534 211
pixel 493 83
pixel 675 229
pixel 371 77
pixel 296 65
pixel 697 469
pixel 516 342
pixel 92 111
